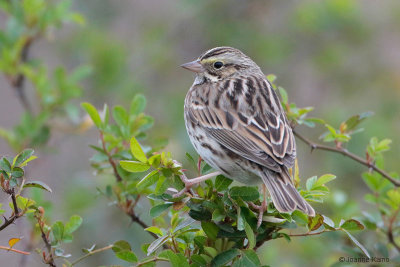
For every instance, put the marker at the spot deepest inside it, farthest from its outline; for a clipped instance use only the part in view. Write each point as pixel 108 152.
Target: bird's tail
pixel 283 193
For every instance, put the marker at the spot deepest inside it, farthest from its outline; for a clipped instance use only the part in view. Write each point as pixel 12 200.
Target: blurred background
pixel 340 56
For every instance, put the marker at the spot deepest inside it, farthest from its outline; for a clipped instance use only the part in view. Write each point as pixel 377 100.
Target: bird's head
pixel 221 62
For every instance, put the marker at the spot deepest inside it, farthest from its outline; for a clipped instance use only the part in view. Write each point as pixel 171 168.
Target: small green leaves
pixel 137 105
pixel 123 251
pixel 351 225
pixel 210 229
pixel 224 258
pixel 154 230
pixel 93 113
pixel 351 123
pixel 137 151
pixel 63 233
pixel 222 183
pixel 134 166
pixel 159 209
pixel 73 224
pixel 377 147
pixel 250 235
pixel 58 230
pixel 23 158
pixel 37 184
pixel 315 222
pixel 247 193
pixel 176 259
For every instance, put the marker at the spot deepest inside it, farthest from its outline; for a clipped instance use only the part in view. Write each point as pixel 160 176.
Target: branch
pixel 47 259
pixel 110 160
pixel 150 260
pixel 308 234
pixel 91 253
pixel 16 214
pixel 19 81
pixel 390 230
pixel 348 154
pixel 137 220
pixel 15 250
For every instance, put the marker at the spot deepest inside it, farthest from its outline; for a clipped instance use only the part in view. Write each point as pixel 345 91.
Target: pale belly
pixel 236 168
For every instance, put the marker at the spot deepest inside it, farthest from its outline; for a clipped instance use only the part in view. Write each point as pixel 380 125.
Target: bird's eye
pixel 218 64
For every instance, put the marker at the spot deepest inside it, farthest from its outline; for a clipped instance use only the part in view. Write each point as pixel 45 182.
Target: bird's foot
pixel 190 182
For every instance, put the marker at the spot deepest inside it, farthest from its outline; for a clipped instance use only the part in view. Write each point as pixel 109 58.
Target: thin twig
pixel 151 260
pixel 16 214
pixel 307 234
pixel 137 220
pixel 110 160
pixel 19 81
pixel 91 253
pixel 48 259
pixel 15 250
pixel 390 230
pixel 348 154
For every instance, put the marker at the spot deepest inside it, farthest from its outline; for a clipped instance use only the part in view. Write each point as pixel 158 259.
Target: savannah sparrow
pixel 237 125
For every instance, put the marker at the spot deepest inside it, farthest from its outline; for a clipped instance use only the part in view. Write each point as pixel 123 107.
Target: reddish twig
pixel 390 230
pixel 15 250
pixel 16 214
pixel 348 154
pixel 110 160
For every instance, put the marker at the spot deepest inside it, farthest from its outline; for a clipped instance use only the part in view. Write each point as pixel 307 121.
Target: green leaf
pixel 393 198
pixel 74 222
pixel 5 165
pixel 210 229
pixel 250 235
pixel 134 166
pixel 157 210
pixel 323 180
pixel 315 222
pixel 17 172
pixel 58 230
pixel 212 252
pixel 222 183
pixel 310 182
pixel 351 225
pixel 22 157
pixel 358 244
pixel 224 257
pixel 157 244
pixel 138 104
pixel 176 259
pixel 217 215
pixel 154 230
pixel 148 180
pixel 137 151
pixel 120 115
pixel 38 184
pixel 283 94
pixel 328 223
pixel 121 245
pixel 93 113
pixel 247 193
pixel 271 77
pixel 128 256
pixel 249 259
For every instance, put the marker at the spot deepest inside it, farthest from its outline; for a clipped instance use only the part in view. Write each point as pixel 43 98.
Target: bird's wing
pixel 261 133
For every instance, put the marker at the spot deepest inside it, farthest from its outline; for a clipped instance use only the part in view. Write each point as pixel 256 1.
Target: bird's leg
pixel 190 182
pixel 263 206
pixel 199 165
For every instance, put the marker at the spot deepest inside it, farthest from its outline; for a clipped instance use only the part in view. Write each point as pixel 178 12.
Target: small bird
pixel 237 125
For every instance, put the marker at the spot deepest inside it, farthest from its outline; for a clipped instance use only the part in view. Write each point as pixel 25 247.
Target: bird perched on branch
pixel 236 123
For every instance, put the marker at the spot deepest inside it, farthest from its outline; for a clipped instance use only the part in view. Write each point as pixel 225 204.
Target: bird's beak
pixel 194 66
